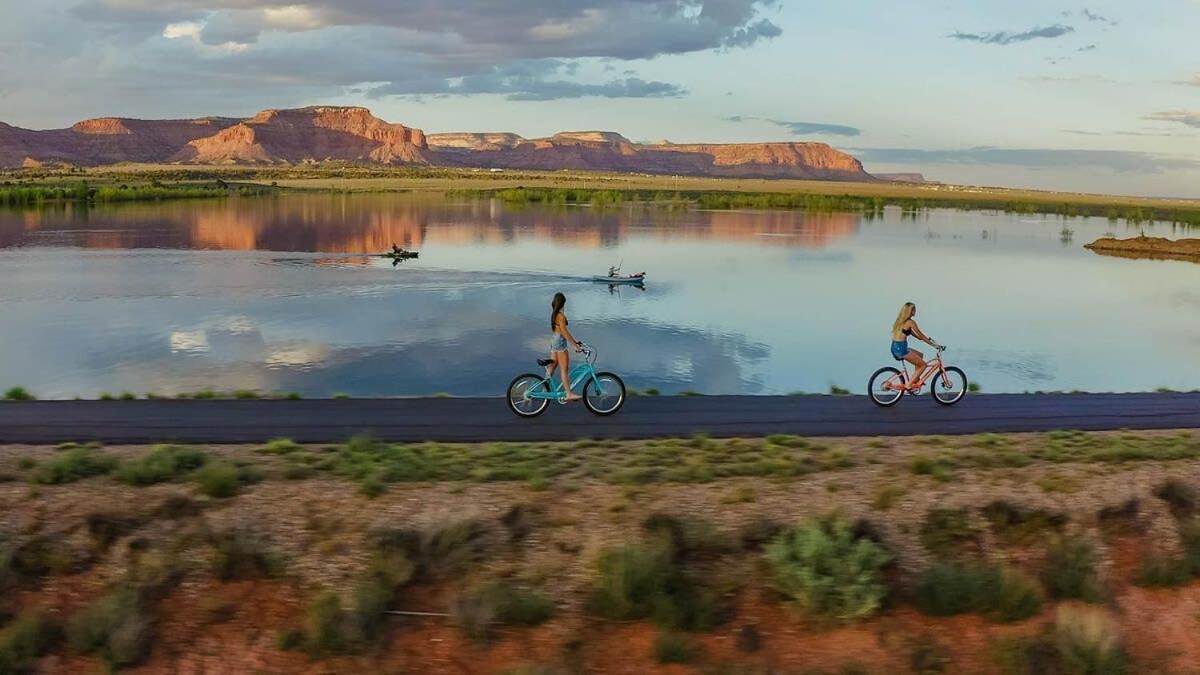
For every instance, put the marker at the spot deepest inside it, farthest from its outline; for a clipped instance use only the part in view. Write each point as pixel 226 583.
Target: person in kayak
pixel 396 250
pixel 559 342
pixel 904 326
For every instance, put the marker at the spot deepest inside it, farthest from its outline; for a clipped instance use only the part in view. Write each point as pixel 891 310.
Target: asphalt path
pixel 488 419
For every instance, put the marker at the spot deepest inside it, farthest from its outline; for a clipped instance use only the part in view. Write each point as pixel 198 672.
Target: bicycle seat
pixel 545 362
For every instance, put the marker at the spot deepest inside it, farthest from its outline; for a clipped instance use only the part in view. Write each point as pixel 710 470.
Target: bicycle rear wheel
pixel 886 386
pixel 948 389
pixel 519 391
pixel 605 394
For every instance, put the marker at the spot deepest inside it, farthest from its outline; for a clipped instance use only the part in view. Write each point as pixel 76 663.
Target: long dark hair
pixel 556 307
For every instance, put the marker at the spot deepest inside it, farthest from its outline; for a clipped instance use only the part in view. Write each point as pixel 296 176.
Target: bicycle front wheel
pixel 886 386
pixel 949 387
pixel 519 399
pixel 604 394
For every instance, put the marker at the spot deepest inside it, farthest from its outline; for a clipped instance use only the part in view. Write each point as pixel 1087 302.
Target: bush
pixel 828 569
pixel 242 554
pixel 1163 571
pixel 500 603
pixel 1071 570
pixel 280 446
pixel 1182 498
pixel 73 465
pixel 1189 535
pixel 672 647
pixel 948 533
pixel 947 589
pixel 218 479
pixel 1088 642
pixel 325 629
pixel 161 464
pixel 18 394
pixel 31 635
pixel 116 626
pixel 630 582
pixel 36 558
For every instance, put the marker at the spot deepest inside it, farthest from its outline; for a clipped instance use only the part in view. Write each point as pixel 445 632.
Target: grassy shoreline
pixel 610 189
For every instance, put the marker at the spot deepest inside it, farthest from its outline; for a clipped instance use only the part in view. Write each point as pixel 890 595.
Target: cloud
pixel 1194 81
pixel 1005 38
pixel 1093 17
pixel 1033 158
pixel 173 57
pixel 802 128
pixel 1151 134
pixel 1190 118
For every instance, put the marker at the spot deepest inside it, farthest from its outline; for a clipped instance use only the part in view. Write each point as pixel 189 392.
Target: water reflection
pixel 283 294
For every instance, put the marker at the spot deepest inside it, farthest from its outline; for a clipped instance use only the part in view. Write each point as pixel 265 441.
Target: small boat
pixel 639 278
pixel 402 255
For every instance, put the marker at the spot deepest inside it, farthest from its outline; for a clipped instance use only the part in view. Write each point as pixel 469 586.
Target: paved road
pixel 487 419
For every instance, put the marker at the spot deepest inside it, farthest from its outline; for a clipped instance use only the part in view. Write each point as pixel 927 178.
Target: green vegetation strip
pixel 868 204
pixel 37 195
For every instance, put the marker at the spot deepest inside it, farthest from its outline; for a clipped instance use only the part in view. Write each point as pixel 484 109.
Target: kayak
pixel 634 279
pixel 401 256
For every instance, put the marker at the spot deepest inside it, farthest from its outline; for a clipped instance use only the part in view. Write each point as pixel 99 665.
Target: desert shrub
pixel 1017 524
pixel 828 569
pixel 280 446
pixel 218 479
pixel 1189 536
pixel 35 558
pixel 163 463
pixel 886 496
pixel 451 548
pixel 630 582
pixel 946 589
pixel 29 636
pixel 117 626
pixel 927 656
pixel 240 553
pixel 948 533
pixel 105 528
pixel 1088 642
pixel 1163 571
pixel 499 603
pixel 1070 571
pixel 1120 519
pixel 674 647
pixel 325 627
pixel 72 465
pixel 18 394
pixel 1182 498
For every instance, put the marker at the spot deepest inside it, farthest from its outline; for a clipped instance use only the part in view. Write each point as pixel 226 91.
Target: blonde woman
pixel 905 326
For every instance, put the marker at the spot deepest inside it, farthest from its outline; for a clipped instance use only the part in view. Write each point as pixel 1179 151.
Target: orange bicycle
pixel 947 384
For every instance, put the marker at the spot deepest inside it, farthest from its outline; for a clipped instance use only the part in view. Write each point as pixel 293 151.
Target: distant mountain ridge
pixel 353 134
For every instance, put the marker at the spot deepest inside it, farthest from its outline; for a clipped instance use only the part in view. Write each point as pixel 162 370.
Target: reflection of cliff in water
pixel 372 223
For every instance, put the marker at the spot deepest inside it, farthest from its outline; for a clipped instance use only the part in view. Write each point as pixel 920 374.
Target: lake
pixel 278 294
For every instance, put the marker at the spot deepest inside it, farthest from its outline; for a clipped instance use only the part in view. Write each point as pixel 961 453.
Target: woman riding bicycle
pixel 558 345
pixel 905 326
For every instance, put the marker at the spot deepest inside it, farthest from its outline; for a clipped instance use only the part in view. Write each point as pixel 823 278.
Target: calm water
pixel 276 295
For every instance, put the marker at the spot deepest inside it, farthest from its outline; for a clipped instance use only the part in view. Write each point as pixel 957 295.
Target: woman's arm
pixel 920 335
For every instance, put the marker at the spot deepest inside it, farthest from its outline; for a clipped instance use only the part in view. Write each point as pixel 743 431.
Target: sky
pixel 1098 96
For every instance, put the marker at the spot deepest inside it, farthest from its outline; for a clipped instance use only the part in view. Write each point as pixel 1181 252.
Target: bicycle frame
pixel 932 367
pixel 579 374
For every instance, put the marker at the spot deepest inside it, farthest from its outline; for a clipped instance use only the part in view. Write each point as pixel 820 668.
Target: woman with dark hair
pixel 558 345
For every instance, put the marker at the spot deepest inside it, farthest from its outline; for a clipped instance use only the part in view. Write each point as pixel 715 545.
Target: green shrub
pixel 1071 570
pixel 73 465
pixel 35 558
pixel 948 533
pixel 18 394
pixel 1189 536
pixel 1163 571
pixel 829 569
pixel 1019 525
pixel 500 603
pixel 452 548
pixel 31 635
pixel 325 627
pixel 242 554
pixel 288 640
pixel 1088 642
pixel 673 647
pixel 116 626
pixel 946 589
pixel 163 463
pixel 280 446
pixel 630 582
pixel 1182 498
pixel 218 479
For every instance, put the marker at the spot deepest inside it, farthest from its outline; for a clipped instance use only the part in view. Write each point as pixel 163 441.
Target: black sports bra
pixel 907 331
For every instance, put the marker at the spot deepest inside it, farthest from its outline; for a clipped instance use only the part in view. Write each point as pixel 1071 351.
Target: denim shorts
pixel 899 349
pixel 558 344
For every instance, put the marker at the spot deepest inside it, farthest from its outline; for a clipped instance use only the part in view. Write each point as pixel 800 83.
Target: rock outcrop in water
pixel 1148 247
pixel 352 134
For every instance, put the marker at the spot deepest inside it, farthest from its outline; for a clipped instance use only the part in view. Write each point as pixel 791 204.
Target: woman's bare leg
pixel 564 368
pixel 918 360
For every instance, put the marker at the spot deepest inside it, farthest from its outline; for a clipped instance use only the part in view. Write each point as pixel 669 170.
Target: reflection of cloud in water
pixel 1023 366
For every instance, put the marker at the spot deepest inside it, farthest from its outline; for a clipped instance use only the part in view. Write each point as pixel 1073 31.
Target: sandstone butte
pixel 352 134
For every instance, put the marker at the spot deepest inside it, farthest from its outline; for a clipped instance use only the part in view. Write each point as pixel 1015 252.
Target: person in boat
pixel 905 326
pixel 559 343
pixel 612 272
pixel 396 250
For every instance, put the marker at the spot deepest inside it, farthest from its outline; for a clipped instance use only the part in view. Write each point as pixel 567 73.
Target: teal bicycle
pixel 603 393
